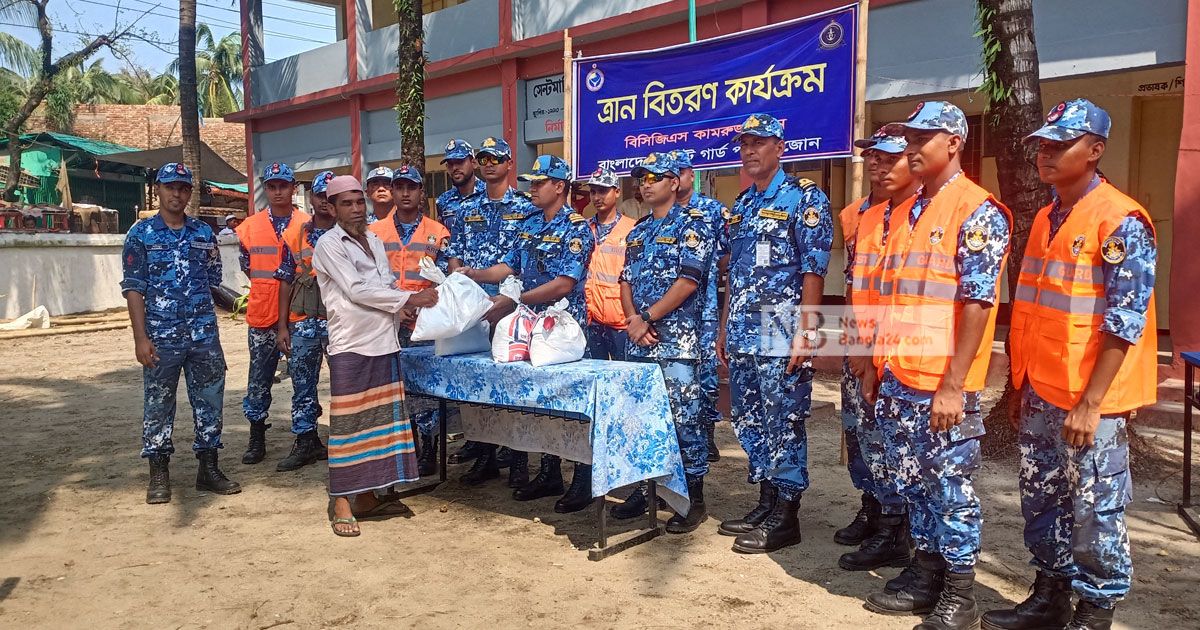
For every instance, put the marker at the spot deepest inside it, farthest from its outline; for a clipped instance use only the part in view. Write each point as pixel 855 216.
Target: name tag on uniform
pixel 513 217
pixel 203 245
pixel 551 239
pixel 157 247
pixel 771 213
pixel 665 240
pixel 634 243
pixel 474 218
pixel 525 235
pixel 762 254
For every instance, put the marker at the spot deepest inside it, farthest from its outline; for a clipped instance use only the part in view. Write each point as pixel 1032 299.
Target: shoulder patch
pixel 691 240
pixel 696 214
pixel 811 217
pixel 1113 250
pixel 977 237
pixel 575 245
pixel 577 218
pixel 805 183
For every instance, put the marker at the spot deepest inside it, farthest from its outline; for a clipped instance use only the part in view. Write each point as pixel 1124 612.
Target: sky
pixel 290 27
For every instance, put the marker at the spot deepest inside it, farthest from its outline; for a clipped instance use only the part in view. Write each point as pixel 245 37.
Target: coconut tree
pixel 218 72
pixel 189 112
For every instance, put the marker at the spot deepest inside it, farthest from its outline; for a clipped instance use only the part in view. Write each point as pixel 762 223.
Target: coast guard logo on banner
pixel 832 36
pixel 594 79
pixel 1056 113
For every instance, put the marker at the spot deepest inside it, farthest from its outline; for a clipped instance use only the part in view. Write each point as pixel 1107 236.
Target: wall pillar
pixel 1185 272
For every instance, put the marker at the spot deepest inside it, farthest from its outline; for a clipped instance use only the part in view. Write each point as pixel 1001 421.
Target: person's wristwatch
pixel 809 335
pixel 646 316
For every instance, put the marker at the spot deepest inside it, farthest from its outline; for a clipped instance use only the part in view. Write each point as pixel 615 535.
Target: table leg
pixel 1190 399
pixel 605 550
pixel 602 521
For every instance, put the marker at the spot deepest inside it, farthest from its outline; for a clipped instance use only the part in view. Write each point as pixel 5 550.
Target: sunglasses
pixel 491 160
pixel 651 178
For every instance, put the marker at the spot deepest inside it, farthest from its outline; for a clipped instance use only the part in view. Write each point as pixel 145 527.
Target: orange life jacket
pixel 919 285
pixel 848 217
pixel 302 253
pixel 867 268
pixel 403 259
pixel 602 290
pixel 1059 305
pixel 257 235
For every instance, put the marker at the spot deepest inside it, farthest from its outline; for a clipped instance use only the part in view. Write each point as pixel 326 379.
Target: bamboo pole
pixel 568 85
pixel 854 167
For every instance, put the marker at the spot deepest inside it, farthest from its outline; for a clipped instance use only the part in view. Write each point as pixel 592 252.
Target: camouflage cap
pixel 932 116
pixel 657 163
pixel 1071 119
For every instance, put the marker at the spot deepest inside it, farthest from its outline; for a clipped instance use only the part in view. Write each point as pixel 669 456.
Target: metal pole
pixel 692 38
pixel 568 86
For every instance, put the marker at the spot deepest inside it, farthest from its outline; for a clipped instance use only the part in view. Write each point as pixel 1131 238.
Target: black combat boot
pixel 914 591
pixel 322 450
pixel 504 457
pixel 1048 607
pixel 781 528
pixel 714 454
pixel 696 510
pixel 305 450
pixel 547 483
pixel 633 507
pixel 1089 616
pixel 518 469
pixel 889 546
pixel 863 525
pixel 256 449
pixel 579 495
pixel 483 469
pixel 159 490
pixel 767 495
pixel 956 608
pixel 469 451
pixel 427 461
pixel 210 478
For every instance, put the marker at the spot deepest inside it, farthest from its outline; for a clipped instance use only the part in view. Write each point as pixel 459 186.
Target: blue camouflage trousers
pixel 770 408
pixel 606 343
pixel 203 367
pixel 1073 501
pixel 424 412
pixel 710 385
pixel 865 453
pixel 933 474
pixel 683 391
pixel 307 354
pixel 264 359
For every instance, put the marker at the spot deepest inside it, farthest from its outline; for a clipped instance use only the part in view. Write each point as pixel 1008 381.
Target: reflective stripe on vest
pixel 404 259
pixel 257 236
pixel 1059 305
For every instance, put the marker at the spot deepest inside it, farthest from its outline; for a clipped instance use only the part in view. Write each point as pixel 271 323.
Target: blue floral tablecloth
pixel 632 433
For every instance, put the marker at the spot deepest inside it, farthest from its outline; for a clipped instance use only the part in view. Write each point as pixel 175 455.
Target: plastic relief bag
pixel 557 337
pixel 513 331
pixel 475 339
pixel 461 304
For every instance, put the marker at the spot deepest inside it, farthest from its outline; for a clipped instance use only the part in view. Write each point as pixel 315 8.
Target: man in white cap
pixel 379 191
pixel 231 223
pixel 370 440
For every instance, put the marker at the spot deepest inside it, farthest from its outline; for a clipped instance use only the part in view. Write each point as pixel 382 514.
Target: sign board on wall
pixel 544 109
pixel 694 97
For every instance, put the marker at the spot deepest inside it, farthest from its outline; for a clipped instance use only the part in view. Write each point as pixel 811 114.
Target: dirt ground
pixel 79 546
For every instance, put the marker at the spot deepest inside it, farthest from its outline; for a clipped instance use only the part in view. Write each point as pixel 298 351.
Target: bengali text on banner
pixel 694 97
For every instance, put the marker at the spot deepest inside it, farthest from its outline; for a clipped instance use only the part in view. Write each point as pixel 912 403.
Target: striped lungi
pixel 370 437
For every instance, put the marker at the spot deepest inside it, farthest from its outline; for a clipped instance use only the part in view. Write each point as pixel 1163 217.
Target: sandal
pixel 385 508
pixel 345 521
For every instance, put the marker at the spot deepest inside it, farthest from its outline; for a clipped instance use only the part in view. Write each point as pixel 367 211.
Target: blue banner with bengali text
pixel 695 96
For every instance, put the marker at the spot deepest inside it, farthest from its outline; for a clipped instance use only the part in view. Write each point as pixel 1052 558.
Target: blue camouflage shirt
pixel 714 213
pixel 483 234
pixel 1127 284
pixel 657 253
pixel 451 204
pixel 309 327
pixel 546 250
pixel 174 270
pixel 776 236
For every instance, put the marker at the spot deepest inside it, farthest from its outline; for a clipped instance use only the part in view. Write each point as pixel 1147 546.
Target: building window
pixel 972 159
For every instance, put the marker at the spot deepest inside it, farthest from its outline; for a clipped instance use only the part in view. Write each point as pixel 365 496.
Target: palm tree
pixel 189 113
pixel 218 72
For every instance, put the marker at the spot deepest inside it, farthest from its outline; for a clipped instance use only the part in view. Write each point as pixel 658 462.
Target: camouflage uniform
pixel 485 230
pixel 659 252
pixel 776 236
pixel 309 339
pixel 264 356
pixel 174 271
pixel 933 469
pixel 546 250
pixel 1073 499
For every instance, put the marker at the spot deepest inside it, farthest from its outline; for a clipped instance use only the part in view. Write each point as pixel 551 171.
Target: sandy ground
pixel 80 548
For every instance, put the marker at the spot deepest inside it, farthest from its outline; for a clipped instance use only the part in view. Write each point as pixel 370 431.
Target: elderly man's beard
pixel 354 227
